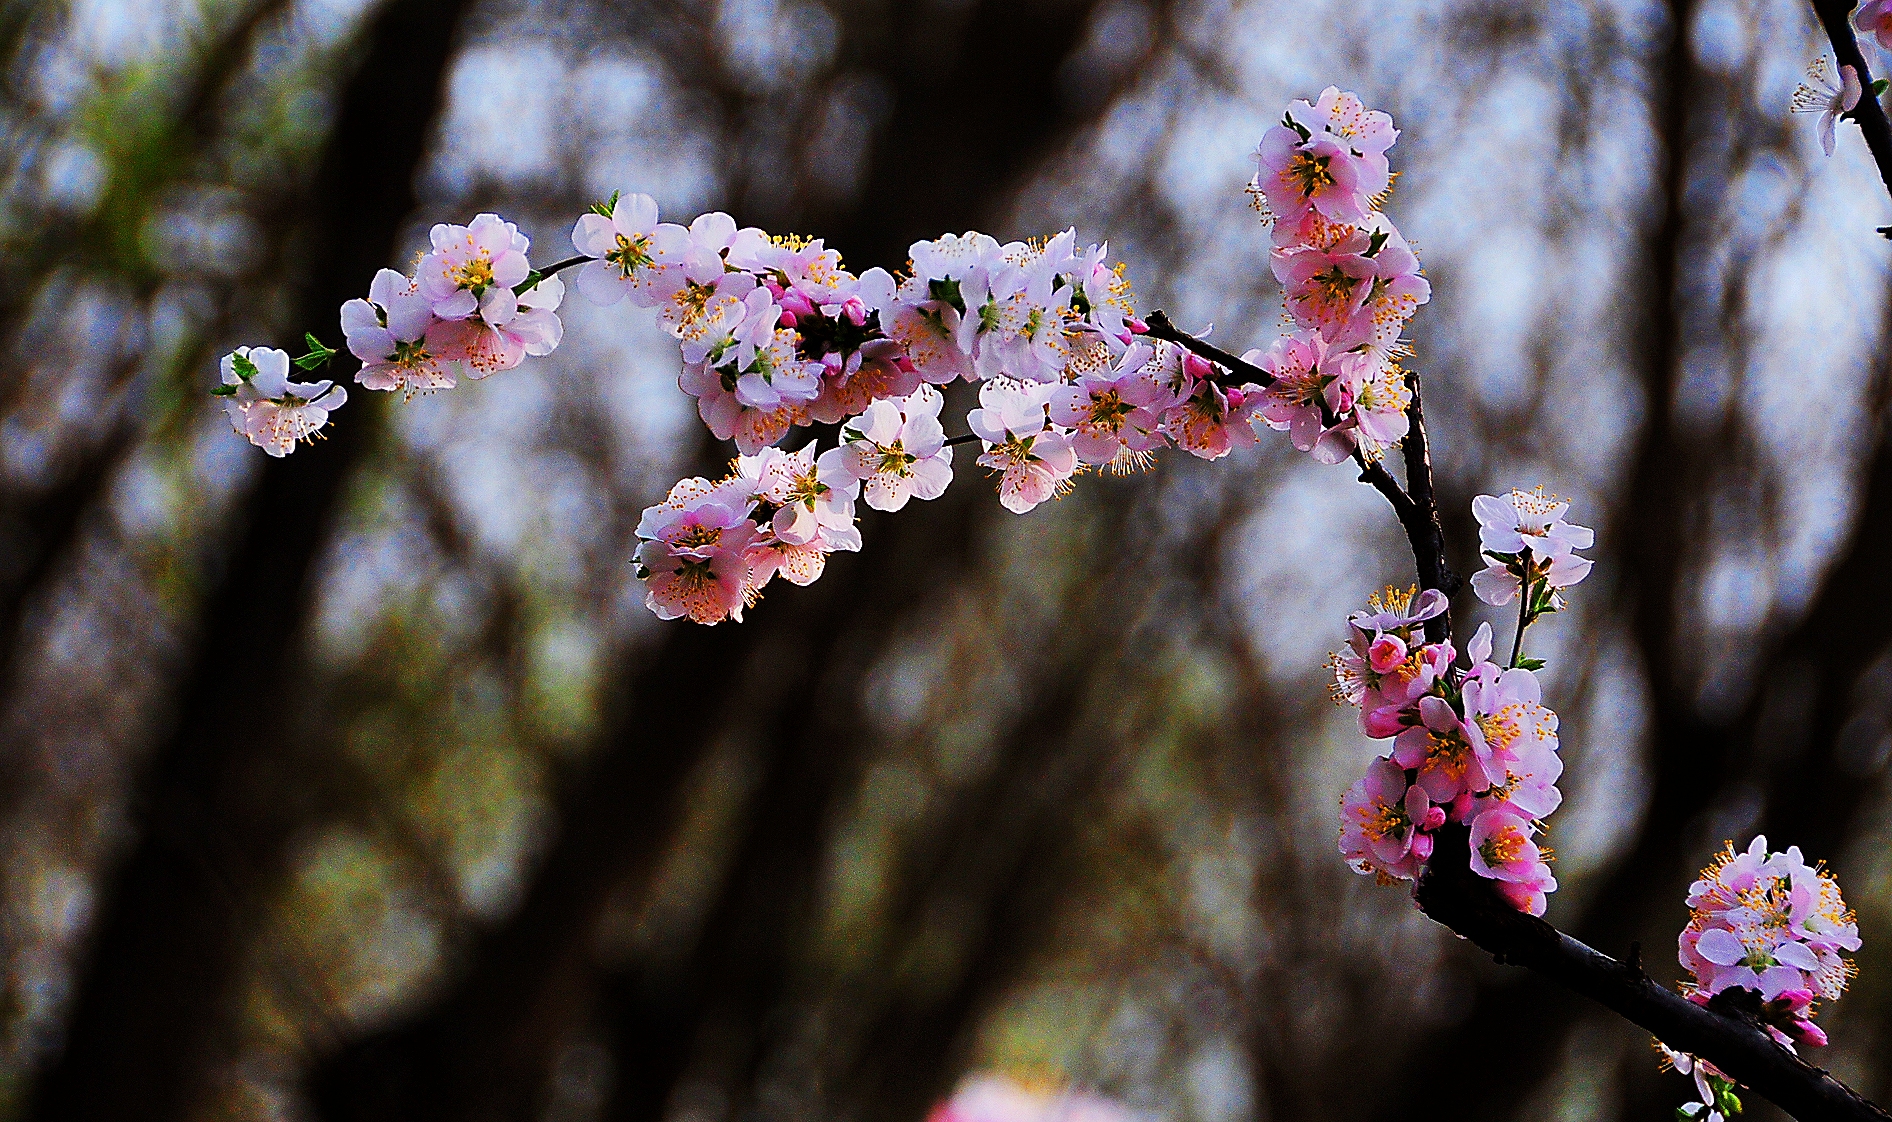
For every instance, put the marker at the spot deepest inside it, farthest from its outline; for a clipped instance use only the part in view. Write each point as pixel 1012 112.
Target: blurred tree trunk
pixel 211 836
pixel 473 1054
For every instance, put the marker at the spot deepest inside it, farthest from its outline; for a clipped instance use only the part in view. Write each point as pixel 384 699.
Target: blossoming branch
pixel 776 335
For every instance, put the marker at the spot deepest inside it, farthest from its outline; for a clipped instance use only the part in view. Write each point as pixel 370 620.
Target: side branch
pixel 1414 505
pixel 1869 114
pixel 1160 328
pixel 1724 1035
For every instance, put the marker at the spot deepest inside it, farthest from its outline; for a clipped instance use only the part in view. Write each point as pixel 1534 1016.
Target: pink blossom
pixel 1383 823
pixel 1525 537
pixel 1034 460
pixel 898 450
pixel 1819 95
pixel 813 515
pixel 692 552
pixel 1502 849
pixel 1874 17
pixel 1770 923
pixel 631 252
pixel 533 328
pixel 1505 720
pixel 1394 291
pixel 1213 421
pixel 1316 172
pixel 388 333
pixel 473 269
pixel 1109 411
pixel 1308 400
pixel 1324 288
pixel 1387 666
pixel 269 410
pixel 1441 750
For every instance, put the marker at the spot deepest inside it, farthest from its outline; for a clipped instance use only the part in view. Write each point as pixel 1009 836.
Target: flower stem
pixel 962 438
pixel 1524 621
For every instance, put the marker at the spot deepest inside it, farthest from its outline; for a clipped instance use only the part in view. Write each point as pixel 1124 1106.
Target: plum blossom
pixel 533 329
pixel 1503 850
pixel 813 513
pixel 1213 421
pixel 1769 922
pixel 1526 539
pixel 1819 95
pixel 402 345
pixel 1440 749
pixel 1113 414
pixel 1328 157
pixel 1306 399
pixel 1387 665
pixel 692 547
pixel 898 451
pixel 268 409
pixel 1874 17
pixel 631 252
pixel 473 268
pixel 1033 459
pixel 1385 824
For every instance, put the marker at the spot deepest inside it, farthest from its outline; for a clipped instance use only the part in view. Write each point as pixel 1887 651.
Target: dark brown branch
pixel 1869 115
pixel 1732 1040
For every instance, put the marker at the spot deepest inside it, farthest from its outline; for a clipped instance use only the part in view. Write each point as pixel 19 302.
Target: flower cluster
pixel 473 307
pixel 1529 550
pixel 1769 923
pixel 708 549
pixel 1349 279
pixel 1472 744
pixel 776 334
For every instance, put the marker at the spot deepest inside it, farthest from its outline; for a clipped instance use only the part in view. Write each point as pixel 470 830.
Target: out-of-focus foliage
pixel 1056 795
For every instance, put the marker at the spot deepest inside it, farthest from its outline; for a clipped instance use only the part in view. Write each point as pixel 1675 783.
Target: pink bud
pixel 1385 721
pixel 1435 817
pixel 854 310
pixel 1422 844
pixel 787 318
pixel 1385 653
pixel 1136 326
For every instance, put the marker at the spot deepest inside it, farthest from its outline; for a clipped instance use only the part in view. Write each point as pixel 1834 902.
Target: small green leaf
pixel 1531 663
pixel 1878 86
pixel 1376 243
pixel 605 208
pixel 245 369
pixel 948 292
pixel 223 391
pixel 525 285
pixel 319 353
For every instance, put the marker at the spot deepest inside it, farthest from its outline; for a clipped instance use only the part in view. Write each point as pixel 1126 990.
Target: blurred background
pixel 361 786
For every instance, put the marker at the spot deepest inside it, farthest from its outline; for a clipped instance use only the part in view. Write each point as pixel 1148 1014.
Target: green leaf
pixel 605 208
pixel 223 391
pixel 245 369
pixel 1531 663
pixel 948 292
pixel 1878 86
pixel 1376 243
pixel 525 285
pixel 319 353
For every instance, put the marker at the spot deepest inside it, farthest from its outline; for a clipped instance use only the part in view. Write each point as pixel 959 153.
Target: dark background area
pixel 361 786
